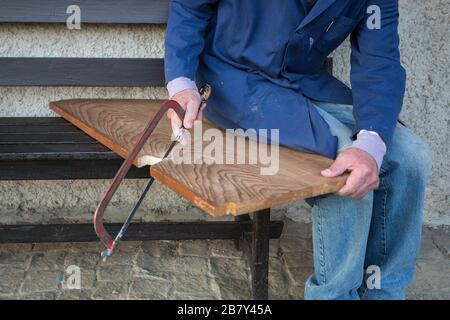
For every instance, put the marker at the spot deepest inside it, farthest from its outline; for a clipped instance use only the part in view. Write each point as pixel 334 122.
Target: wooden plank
pixel 136 231
pixel 85 72
pixel 92 11
pixel 118 124
pixel 217 189
pixel 66 169
pixel 237 189
pixel 221 189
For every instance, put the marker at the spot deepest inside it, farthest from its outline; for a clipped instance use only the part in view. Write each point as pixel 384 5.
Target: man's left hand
pixel 363 172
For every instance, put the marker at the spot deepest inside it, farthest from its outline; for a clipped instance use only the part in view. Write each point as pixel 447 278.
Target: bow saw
pixel 107 195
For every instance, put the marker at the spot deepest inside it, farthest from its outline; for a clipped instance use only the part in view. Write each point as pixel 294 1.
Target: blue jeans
pixel 383 229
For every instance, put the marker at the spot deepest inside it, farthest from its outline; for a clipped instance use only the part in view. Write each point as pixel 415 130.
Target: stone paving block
pixel 191 265
pixel 233 289
pixel 41 281
pixel 118 273
pixel 129 246
pixel 120 257
pixel 87 246
pixel 296 229
pixel 153 264
pixel 10 279
pixel 298 276
pixel 150 288
pixel 441 237
pixel 174 264
pixel 296 292
pixel 90 254
pixel 194 248
pixel 15 247
pixel 443 294
pixel 298 259
pixel 275 265
pixel 428 249
pixel 277 286
pixel 141 272
pixel 436 274
pixel 83 259
pixel 187 284
pixel 75 294
pixel 125 253
pixel 295 244
pixel 38 296
pixel 420 282
pixel 15 255
pixel 53 246
pixel 109 290
pixel 225 248
pixel 160 248
pixel 49 260
pixel 419 295
pixel 88 278
pixel 274 248
pixel 184 296
pixel 233 268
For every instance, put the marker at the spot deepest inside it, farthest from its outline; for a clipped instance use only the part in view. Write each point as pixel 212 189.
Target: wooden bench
pixel 51 148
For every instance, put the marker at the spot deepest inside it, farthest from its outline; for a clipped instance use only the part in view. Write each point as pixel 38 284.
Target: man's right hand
pixel 190 101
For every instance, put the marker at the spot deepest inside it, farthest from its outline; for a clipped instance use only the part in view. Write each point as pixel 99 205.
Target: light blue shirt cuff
pixel 179 84
pixel 372 143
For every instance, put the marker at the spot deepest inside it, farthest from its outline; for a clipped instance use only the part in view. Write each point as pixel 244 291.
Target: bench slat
pixel 55 151
pixel 37 129
pixel 67 169
pixel 33 138
pixel 84 72
pixel 87 72
pixel 136 231
pixel 92 11
pixel 25 121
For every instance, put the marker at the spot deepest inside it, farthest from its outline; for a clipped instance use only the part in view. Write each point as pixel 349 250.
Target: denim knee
pixel 417 158
pixel 408 154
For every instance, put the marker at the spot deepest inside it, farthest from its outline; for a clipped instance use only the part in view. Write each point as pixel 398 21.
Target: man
pixel 265 63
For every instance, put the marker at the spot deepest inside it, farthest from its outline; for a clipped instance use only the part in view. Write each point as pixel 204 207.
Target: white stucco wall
pixel 425 30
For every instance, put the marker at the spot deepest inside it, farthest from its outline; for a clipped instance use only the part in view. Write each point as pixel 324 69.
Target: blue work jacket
pixel 265 62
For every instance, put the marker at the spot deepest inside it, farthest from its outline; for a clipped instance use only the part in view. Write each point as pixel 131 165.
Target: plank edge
pixel 244 207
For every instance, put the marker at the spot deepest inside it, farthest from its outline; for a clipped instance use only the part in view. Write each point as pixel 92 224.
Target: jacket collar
pixel 317 9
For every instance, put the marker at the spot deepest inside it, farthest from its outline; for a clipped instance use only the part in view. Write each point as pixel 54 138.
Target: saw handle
pixel 100 230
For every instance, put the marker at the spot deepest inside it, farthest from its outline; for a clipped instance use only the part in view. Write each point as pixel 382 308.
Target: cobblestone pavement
pixel 189 269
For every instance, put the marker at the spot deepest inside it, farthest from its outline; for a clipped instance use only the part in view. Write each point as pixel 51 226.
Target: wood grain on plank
pixel 118 124
pixel 217 189
pixel 222 189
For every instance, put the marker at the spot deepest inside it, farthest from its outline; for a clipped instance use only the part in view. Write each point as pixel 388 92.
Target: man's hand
pixel 363 172
pixel 190 101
